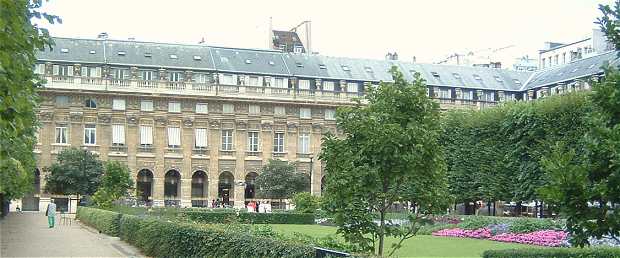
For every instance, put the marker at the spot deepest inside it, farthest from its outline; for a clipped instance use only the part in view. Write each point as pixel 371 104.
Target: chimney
pixel 102 35
pixel 414 59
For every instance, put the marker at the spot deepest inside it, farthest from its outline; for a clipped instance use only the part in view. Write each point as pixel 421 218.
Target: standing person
pixel 51 213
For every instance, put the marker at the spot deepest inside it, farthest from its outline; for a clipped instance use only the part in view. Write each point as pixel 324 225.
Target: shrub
pixel 105 221
pixel 429 229
pixel 554 253
pixel 305 202
pixel 168 239
pixel 525 225
pixel 476 222
pixel 249 217
pixel 497 229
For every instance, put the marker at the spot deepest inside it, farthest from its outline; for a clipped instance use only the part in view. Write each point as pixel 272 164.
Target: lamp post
pixel 311 174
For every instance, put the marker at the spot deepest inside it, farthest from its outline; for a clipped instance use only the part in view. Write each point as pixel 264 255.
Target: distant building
pixel 392 56
pixel 287 41
pixel 525 64
pixel 558 53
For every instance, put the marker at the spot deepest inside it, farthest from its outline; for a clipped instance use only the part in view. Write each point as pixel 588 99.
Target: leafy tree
pixel 75 172
pixel 115 184
pixel 305 202
pixel 280 180
pixel 21 37
pixel 389 154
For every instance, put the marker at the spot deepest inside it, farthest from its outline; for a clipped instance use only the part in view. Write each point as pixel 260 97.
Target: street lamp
pixel 311 174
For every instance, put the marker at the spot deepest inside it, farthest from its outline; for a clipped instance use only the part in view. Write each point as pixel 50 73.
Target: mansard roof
pixel 277 63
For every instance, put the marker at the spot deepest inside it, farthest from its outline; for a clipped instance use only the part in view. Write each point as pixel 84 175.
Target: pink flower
pixel 542 238
pixel 480 233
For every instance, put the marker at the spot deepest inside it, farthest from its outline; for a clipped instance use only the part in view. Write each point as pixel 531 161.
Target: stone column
pixel 159 146
pixel 187 143
pixel 214 139
pixel 315 148
pixel 240 142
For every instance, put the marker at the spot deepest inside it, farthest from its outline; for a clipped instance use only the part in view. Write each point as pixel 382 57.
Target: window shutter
pixel 118 134
pixel 146 135
pixel 174 136
pixel 201 137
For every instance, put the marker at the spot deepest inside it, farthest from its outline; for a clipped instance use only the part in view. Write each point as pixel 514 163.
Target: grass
pixel 419 246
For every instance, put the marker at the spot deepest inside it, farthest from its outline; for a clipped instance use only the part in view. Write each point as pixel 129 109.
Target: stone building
pixel 195 123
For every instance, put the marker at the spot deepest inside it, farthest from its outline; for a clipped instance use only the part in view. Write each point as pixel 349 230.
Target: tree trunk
pixel 542 211
pixel 381 232
pixel 535 208
pixel 519 207
pixel 493 208
pixel 489 208
pixel 455 212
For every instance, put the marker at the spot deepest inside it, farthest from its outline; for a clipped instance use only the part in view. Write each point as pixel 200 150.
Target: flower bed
pixel 542 238
pixel 481 233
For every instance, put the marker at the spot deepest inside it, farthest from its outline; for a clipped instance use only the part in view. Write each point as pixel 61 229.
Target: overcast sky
pixel 429 30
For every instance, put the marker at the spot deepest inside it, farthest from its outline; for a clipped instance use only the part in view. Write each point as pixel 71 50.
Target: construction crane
pixel 472 53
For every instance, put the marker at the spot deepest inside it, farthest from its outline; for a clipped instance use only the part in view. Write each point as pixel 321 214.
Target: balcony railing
pixel 227 153
pixel 253 153
pixel 145 149
pixel 200 151
pixel 118 149
pixel 278 154
pixel 173 150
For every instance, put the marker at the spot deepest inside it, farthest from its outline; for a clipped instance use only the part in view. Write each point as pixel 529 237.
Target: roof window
pixel 173 56
pixel 121 53
pixel 412 71
pixel 497 78
pixel 368 69
pixel 516 81
pixel 574 71
pixel 248 61
pixel 147 54
pixel 299 64
pixel 456 76
pixel 435 74
pixel 92 52
pixel 345 68
pixel 322 66
pixel 591 66
pixel 197 58
pixel 64 50
pixel 477 77
pixel 272 63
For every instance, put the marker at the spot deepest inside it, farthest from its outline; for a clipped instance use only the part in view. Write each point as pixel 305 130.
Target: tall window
pixel 174 107
pixel 278 142
pixel 146 105
pixel 330 114
pixel 90 103
pixel 279 111
pixel 201 138
pixel 228 108
pixel 90 134
pixel 121 74
pixel 253 141
pixel 93 72
pixel 62 101
pixel 445 93
pixel 202 108
pixel 304 84
pixel 304 143
pixel 174 137
pixel 305 113
pixel 280 83
pixel 254 81
pixel 468 94
pixel 201 78
pixel 39 68
pixel 146 75
pixel 118 135
pixel 227 140
pixel 352 87
pixel 328 86
pixel 228 79
pixel 175 77
pixel 118 104
pixel 254 110
pixel 146 136
pixel 61 134
pixel 62 70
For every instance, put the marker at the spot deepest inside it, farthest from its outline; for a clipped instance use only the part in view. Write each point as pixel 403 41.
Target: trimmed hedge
pixel 554 253
pixel 105 221
pixel 249 217
pixel 167 239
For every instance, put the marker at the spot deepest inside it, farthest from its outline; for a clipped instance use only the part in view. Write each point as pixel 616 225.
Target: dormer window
pixel 435 74
pixel 92 52
pixel 147 54
pixel 197 58
pixel 497 78
pixel 575 70
pixel 456 76
pixel 121 53
pixel 477 77
pixel 412 72
pixel 173 56
pixel 299 65
pixel 368 69
pixel 345 68
pixel 322 66
pixel 248 61
pixel 517 81
pixel 272 63
pixel 64 50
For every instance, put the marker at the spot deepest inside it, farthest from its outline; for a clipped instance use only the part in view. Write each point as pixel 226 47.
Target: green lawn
pixel 419 246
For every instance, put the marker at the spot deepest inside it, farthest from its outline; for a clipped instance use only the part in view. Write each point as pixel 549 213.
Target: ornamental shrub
pixel 249 217
pixel 554 253
pixel 525 225
pixel 105 221
pixel 429 229
pixel 476 222
pixel 305 202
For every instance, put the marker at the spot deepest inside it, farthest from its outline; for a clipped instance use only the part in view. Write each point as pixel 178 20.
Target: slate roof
pixel 277 63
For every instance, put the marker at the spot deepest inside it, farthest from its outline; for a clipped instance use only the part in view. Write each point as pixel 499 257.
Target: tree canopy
pixel 75 172
pixel 21 37
pixel 115 184
pixel 389 153
pixel 280 180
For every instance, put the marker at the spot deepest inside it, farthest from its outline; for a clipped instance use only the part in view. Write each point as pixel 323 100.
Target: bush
pixel 305 202
pixel 105 221
pixel 429 229
pixel 476 222
pixel 249 217
pixel 554 253
pixel 167 239
pixel 525 225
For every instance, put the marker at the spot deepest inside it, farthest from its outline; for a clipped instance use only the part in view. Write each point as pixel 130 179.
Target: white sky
pixel 430 30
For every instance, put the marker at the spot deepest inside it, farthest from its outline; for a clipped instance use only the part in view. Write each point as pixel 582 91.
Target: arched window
pixel 250 189
pixel 199 189
pixel 225 187
pixel 172 184
pixel 90 103
pixel 144 185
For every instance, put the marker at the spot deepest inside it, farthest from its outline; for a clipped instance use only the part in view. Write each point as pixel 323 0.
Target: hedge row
pixel 249 217
pixel 105 221
pixel 516 225
pixel 554 253
pixel 159 238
